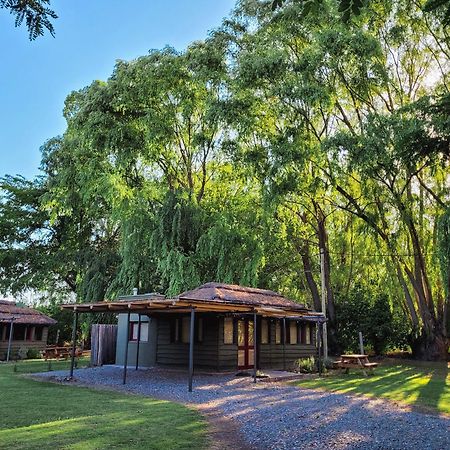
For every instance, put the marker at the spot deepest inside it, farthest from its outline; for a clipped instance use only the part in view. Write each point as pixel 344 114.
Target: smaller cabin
pixel 29 329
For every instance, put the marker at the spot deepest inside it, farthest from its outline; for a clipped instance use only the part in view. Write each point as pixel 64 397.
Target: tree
pixel 352 8
pixel 36 14
pixel 323 80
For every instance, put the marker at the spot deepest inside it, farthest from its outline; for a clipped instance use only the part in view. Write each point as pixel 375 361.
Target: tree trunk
pixel 306 260
pixel 331 311
pixel 432 347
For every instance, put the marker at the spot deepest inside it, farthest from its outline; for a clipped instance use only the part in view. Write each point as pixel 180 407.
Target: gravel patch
pixel 279 416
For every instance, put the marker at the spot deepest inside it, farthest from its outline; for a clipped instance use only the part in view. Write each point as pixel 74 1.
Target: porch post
pixel 319 345
pixel 138 342
pixel 74 342
pixel 127 340
pixel 191 348
pixel 284 343
pixel 254 347
pixel 11 325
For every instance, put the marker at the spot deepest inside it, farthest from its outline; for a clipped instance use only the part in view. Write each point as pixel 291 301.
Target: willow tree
pixel 307 82
pixel 146 147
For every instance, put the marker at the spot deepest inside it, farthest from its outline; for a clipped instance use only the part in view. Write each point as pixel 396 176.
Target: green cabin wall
pixel 211 353
pixel 273 356
pixel 177 353
pixel 147 350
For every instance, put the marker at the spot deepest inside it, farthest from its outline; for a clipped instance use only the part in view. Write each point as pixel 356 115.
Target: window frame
pixel 134 326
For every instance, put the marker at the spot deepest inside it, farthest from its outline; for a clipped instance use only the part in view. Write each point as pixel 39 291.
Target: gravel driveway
pixel 279 416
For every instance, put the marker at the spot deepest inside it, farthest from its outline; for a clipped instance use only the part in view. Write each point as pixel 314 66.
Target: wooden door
pixel 246 348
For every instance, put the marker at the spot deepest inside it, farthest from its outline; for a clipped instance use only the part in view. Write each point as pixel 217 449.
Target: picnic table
pixel 361 362
pixel 57 352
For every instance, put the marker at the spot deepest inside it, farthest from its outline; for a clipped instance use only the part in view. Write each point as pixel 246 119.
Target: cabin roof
pixel 210 297
pixel 235 294
pixel 22 315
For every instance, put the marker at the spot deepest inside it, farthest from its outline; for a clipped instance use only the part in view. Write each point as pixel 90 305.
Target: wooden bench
pixel 370 365
pixel 360 362
pixel 55 352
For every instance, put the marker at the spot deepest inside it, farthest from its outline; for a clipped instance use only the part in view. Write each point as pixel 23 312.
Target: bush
pixel 327 364
pixel 367 309
pixel 305 365
pixel 33 353
pixel 20 353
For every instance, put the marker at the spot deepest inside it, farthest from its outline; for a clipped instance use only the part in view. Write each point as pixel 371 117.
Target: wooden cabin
pixel 224 332
pixel 29 329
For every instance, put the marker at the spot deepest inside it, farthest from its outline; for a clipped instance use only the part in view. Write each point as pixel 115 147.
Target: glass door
pixel 246 348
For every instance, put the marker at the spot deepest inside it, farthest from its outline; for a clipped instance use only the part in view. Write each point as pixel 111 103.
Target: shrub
pixel 33 353
pixel 305 365
pixel 368 309
pixel 328 363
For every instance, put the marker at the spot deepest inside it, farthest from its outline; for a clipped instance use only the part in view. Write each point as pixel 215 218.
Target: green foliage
pixel 444 255
pixel 32 353
pixel 311 365
pixel 441 8
pixel 63 317
pixel 367 309
pixel 237 159
pixel 36 14
pixel 305 365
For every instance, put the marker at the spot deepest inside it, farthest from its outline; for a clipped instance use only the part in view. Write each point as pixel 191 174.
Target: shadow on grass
pixel 37 414
pixel 419 387
pixel 435 394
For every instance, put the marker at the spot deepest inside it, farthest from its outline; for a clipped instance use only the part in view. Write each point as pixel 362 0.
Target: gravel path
pixel 279 416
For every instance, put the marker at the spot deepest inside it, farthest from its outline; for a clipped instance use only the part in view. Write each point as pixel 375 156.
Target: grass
pixel 45 415
pixel 426 387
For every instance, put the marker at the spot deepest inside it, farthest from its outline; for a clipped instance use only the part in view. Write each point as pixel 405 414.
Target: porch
pixel 221 327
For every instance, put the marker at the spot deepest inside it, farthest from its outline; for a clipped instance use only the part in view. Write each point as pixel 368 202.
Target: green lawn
pixel 426 386
pixel 44 415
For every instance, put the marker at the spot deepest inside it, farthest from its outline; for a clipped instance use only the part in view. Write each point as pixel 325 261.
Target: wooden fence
pixel 103 344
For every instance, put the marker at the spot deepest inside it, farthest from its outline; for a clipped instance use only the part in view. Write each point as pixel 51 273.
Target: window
pixel 264 331
pixel 277 332
pixel 293 332
pixel 18 332
pixel 38 334
pixel 199 329
pixel 180 330
pixel 185 329
pixel 134 331
pixel 30 333
pixel 228 330
pixel 307 334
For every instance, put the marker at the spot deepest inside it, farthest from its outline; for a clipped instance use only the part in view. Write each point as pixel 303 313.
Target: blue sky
pixel 35 77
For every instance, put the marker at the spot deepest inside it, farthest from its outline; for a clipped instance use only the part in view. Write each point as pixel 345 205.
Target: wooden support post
pixel 284 343
pixel 125 362
pixel 138 342
pixel 11 325
pixel 319 347
pixel 361 344
pixel 324 301
pixel 191 348
pixel 254 348
pixel 74 342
